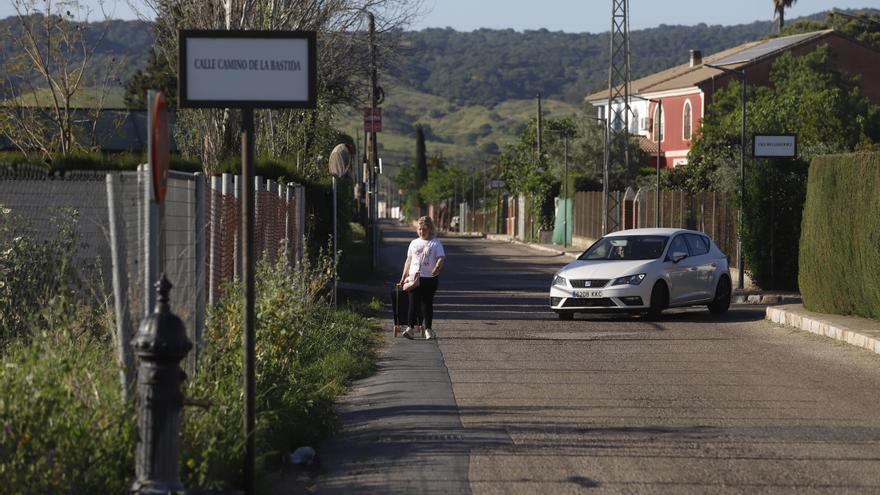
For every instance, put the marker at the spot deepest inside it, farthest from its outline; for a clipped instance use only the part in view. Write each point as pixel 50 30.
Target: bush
pixel 839 254
pixel 65 427
pixel 775 192
pixel 39 281
pixel 306 355
pixel 99 161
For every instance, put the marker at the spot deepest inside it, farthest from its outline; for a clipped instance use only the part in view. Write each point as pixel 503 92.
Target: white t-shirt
pixel 425 252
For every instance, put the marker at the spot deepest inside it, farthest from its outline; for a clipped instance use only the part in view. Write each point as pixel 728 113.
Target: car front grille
pixel 588 302
pixel 588 284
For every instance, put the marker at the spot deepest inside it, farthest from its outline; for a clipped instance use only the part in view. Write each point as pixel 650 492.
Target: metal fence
pixel 714 213
pixel 197 244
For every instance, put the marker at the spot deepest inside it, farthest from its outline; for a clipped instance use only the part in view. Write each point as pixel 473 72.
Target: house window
pixel 634 123
pixel 658 125
pixel 686 121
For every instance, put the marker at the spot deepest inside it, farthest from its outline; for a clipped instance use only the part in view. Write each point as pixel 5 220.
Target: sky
pixel 573 16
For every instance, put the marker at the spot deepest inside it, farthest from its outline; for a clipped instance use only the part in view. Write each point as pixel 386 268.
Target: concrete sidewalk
pixel 853 330
pixel 784 308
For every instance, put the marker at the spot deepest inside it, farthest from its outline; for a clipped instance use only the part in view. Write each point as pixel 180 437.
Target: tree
pixel 46 79
pixel 779 7
pixel 861 26
pixel 809 96
pixel 156 75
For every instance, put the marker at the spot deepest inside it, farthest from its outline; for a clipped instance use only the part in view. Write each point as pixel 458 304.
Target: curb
pixel 820 327
pixel 531 245
pixel 767 299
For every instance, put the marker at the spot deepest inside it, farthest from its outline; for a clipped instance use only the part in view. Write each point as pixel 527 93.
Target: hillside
pixel 490 66
pixel 468 134
pixel 472 91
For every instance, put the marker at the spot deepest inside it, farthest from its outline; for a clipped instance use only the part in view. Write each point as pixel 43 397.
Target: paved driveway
pixel 510 400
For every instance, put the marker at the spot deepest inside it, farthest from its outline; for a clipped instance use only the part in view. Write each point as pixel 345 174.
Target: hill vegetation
pixel 471 91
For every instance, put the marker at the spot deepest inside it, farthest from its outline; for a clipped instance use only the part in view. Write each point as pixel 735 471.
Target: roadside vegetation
pixel 839 258
pixel 64 425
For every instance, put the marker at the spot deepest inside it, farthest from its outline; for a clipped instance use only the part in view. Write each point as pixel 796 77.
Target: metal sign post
pixel 340 159
pixel 247 70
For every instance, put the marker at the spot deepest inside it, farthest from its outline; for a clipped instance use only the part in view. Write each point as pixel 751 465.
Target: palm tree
pixel 779 7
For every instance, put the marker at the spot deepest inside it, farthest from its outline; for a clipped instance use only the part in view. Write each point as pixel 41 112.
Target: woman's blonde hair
pixel 427 222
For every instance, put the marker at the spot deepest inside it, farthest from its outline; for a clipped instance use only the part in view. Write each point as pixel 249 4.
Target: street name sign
pixel 774 145
pixel 496 184
pixel 254 69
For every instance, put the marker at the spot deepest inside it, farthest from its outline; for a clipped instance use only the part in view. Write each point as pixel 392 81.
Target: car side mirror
pixel 678 256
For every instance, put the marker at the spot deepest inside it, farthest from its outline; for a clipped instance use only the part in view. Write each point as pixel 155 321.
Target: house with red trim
pixel 685 91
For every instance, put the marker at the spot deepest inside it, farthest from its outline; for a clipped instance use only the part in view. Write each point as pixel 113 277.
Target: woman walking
pixel 424 259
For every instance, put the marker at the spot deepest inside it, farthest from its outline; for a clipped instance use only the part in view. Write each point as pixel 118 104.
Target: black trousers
pixel 422 298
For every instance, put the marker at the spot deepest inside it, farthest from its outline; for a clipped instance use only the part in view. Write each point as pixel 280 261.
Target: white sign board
pixel 774 145
pixel 264 69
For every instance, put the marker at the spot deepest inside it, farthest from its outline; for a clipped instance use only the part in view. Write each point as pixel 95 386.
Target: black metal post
pixel 160 344
pixel 374 147
pixel 248 276
pixel 539 136
pixel 742 188
pixel 659 136
pixel 742 174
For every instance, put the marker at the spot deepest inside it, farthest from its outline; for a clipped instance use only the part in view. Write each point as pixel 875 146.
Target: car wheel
pixel 721 302
pixel 659 300
pixel 565 315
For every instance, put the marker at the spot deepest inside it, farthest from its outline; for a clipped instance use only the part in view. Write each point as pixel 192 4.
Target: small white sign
pixel 774 145
pixel 247 68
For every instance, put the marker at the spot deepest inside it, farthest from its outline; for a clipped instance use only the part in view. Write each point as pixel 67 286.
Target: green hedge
pixel 840 236
pixel 775 192
pixel 97 161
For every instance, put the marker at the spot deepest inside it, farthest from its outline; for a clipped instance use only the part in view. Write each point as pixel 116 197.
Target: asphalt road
pixel 510 400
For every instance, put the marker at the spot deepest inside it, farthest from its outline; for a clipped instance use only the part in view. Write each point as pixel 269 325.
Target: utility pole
pixel 618 120
pixel 740 284
pixel 473 201
pixel 372 233
pixel 539 119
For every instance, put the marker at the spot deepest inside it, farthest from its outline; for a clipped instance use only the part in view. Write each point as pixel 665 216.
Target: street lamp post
pixel 742 172
pixel 657 137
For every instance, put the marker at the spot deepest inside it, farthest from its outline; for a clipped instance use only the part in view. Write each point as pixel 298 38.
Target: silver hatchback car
pixel 644 271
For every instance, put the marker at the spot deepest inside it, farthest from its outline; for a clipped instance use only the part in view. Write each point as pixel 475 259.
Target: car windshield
pixel 634 247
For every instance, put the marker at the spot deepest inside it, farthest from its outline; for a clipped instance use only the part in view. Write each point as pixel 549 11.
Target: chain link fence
pixel 194 238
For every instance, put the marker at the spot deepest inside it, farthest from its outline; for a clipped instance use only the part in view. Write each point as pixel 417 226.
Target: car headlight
pixel 629 280
pixel 557 280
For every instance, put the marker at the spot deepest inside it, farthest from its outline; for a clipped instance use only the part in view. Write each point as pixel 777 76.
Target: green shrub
pixel 775 192
pixel 306 354
pixel 840 240
pixel 98 161
pixel 39 281
pixel 65 427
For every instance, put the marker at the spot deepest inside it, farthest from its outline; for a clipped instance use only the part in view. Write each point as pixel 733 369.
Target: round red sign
pixel 160 153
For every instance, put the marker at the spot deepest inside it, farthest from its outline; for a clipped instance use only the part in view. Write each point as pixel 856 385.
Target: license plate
pixel 588 293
